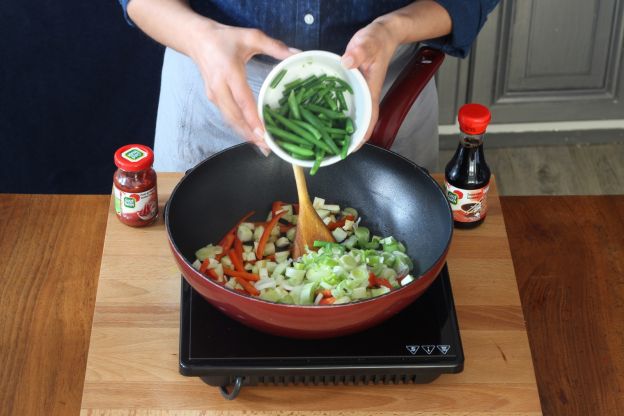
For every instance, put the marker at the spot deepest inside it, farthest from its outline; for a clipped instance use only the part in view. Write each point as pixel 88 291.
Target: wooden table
pixel 569 260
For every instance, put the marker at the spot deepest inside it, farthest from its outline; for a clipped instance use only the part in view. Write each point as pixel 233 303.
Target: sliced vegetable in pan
pixel 255 258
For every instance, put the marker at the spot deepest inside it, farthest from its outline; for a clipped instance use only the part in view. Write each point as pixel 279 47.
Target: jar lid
pixel 134 157
pixel 473 118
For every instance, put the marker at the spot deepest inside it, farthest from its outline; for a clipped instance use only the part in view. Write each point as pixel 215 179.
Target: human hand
pixel 370 50
pixel 221 53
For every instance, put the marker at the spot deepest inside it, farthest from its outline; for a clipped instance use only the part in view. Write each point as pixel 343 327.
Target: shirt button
pixel 308 18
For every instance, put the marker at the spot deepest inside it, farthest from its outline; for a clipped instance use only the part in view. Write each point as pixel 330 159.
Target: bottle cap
pixel 134 157
pixel 473 118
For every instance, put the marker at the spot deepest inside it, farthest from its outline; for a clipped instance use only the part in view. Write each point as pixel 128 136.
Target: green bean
pixel 312 119
pixel 320 155
pixel 329 113
pixel 294 107
pixel 298 84
pixel 343 102
pixel 301 132
pixel 349 126
pixel 278 78
pixel 330 103
pixel 308 127
pixel 293 148
pixel 299 94
pixel 318 82
pixel 345 147
pixel 293 84
pixel 342 82
pixel 267 116
pixel 286 135
pixel 308 123
pixel 334 130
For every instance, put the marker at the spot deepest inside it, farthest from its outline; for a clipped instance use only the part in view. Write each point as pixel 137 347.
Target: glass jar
pixel 134 186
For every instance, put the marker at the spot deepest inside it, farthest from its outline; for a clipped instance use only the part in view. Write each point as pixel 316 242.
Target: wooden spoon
pixel 310 226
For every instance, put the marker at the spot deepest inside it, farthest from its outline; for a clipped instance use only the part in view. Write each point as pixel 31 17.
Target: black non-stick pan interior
pixel 393 196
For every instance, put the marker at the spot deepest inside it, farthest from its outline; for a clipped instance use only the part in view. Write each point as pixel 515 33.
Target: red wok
pixel 394 196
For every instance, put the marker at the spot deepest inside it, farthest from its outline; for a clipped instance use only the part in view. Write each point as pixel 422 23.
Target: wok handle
pixel 406 88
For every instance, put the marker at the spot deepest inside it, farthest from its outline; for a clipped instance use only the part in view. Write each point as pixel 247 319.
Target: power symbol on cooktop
pixel 428 348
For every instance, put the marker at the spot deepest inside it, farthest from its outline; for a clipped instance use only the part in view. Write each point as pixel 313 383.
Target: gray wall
pixel 542 61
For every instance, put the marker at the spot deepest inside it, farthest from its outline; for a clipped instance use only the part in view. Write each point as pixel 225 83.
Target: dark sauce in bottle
pixel 467 175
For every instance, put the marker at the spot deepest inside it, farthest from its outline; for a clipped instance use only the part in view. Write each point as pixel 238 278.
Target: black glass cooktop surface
pixel 416 345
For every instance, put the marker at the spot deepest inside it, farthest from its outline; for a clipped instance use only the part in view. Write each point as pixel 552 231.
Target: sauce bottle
pixel 467 175
pixel 134 185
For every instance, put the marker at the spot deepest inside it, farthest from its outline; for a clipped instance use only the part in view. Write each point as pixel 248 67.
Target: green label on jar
pixel 129 202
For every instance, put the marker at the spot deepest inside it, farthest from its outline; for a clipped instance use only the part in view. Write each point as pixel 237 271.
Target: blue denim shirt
pixel 330 24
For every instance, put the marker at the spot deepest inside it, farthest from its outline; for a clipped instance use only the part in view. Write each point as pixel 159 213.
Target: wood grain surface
pixel 569 261
pixel 133 361
pixel 50 249
pixel 570 284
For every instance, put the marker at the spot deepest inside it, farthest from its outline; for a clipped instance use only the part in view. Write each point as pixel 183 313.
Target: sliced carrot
pixel 277 205
pixel 227 241
pixel 327 293
pixel 238 265
pixel 270 257
pixel 372 280
pixel 383 282
pixel 248 286
pixel 340 223
pixel 267 233
pixel 238 249
pixel 212 274
pixel 244 275
pixel 327 301
pixel 232 232
pixel 204 265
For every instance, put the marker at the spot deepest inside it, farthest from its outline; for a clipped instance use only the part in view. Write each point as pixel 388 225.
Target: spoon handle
pixel 302 187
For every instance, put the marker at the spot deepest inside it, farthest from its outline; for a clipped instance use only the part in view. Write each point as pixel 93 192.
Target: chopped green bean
pixel 345 147
pixel 308 127
pixel 286 135
pixel 267 116
pixel 278 78
pixel 320 155
pixel 311 122
pixel 330 102
pixel 349 126
pixel 301 132
pixel 342 82
pixel 334 130
pixel 343 102
pixel 329 113
pixel 294 107
pixel 298 150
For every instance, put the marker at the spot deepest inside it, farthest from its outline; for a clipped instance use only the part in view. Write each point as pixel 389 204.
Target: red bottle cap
pixel 134 157
pixel 473 118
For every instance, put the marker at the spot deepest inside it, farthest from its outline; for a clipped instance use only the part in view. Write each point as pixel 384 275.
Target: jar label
pixel 134 154
pixel 136 206
pixel 467 205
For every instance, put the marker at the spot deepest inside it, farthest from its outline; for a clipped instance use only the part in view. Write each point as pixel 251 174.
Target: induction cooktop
pixel 415 346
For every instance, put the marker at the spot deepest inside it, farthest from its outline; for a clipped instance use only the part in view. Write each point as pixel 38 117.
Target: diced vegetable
pixel 356 267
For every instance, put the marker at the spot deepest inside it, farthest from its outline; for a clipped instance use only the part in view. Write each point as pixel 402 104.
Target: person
pixel 220 51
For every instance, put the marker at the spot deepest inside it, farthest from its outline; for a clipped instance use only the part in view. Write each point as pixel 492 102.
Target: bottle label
pixel 136 206
pixel 467 205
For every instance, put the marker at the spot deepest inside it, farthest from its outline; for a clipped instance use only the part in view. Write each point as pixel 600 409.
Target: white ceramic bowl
pixel 303 65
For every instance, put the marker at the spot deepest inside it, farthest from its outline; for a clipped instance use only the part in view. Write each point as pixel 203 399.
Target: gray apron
pixel 189 128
